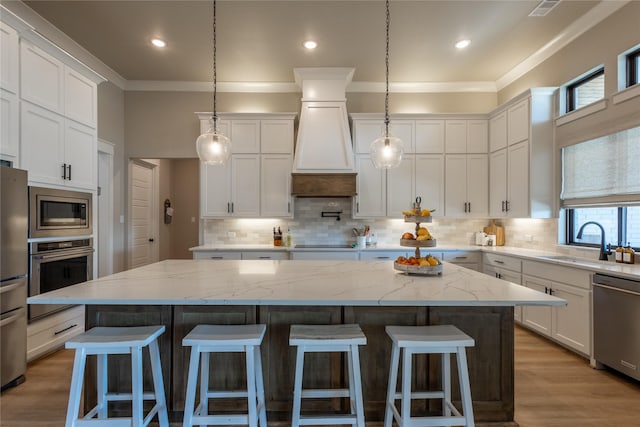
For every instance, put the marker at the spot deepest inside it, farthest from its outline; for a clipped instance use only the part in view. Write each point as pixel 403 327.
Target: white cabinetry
pixel 50 333
pixel 257 180
pixel 522 157
pixel 9 84
pixel 505 268
pixel 240 255
pixel 466 185
pixel 467 259
pixel 401 186
pixel 466 136
pixel 429 136
pixel 324 255
pixel 217 255
pixel 569 325
pixel 371 201
pixel 429 182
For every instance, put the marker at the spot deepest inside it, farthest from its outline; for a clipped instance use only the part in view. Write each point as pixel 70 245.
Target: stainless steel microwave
pixel 59 213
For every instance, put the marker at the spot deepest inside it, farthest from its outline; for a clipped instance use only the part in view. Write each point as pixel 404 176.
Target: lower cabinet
pixel 505 268
pixel 275 255
pixel 50 333
pixel 569 325
pixel 467 259
pixel 218 255
pixel 325 255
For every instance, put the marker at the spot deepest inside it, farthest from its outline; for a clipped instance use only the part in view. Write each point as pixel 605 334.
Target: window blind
pixel 602 171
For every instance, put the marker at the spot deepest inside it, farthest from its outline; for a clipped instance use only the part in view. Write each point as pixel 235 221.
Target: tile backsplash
pixel 309 227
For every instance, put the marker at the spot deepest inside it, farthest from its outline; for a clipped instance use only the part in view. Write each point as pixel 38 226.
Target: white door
pixel 478 185
pixel 105 209
pixel 275 189
pixel 537 318
pixel 498 183
pixel 518 180
pixel 430 182
pixel 142 229
pixel 401 187
pixel 371 187
pixel 80 155
pixel 245 185
pixel 455 195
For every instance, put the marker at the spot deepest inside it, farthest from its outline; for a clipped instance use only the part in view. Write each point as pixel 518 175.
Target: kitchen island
pixel 183 293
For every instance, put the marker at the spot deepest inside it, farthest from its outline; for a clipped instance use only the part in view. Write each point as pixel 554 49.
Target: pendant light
pixel 213 147
pixel 386 151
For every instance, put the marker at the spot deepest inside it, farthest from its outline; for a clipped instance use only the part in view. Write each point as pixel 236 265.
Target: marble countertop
pixel 289 282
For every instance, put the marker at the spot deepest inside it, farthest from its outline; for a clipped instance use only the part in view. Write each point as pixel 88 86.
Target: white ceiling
pixel 261 41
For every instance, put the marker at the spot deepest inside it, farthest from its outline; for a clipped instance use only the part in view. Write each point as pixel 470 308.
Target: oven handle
pixel 66 254
pixel 616 289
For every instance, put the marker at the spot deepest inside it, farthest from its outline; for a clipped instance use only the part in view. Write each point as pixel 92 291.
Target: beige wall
pixel 600 45
pixel 185 200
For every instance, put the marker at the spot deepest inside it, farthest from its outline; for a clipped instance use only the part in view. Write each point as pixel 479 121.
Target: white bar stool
pixel 102 341
pixel 328 338
pixel 443 339
pixel 205 339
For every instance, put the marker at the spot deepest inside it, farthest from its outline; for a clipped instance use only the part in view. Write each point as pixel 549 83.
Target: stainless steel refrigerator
pixel 13 275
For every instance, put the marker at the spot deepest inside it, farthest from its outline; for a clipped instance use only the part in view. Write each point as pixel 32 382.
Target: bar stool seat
pixel 206 339
pixel 440 339
pixel 328 338
pixel 103 341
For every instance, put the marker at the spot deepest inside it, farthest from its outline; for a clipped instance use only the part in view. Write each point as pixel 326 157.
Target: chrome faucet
pixel 603 251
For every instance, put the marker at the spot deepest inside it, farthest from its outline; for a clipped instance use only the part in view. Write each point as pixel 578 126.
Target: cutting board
pixel 497 230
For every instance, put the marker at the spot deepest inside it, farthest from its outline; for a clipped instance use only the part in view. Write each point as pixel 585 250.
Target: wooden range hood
pixel 323 184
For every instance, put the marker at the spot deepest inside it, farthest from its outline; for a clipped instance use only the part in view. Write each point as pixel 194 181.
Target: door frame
pixel 154 211
pixel 105 216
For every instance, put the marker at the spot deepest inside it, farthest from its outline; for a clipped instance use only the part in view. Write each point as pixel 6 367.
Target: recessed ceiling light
pixel 310 44
pixel 158 43
pixel 463 43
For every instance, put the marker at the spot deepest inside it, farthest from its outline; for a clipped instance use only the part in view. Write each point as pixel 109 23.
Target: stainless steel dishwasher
pixel 616 323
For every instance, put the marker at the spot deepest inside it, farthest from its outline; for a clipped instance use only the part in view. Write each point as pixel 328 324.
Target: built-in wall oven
pixel 59 213
pixel 57 264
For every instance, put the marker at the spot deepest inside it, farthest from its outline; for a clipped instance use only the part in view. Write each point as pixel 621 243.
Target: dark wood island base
pixel 491 366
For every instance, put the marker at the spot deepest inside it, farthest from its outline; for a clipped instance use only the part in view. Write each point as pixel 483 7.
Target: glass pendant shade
pixel 386 152
pixel 213 147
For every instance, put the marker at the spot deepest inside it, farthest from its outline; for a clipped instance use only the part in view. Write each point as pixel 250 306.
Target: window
pixel 586 90
pixel 633 68
pixel 621 226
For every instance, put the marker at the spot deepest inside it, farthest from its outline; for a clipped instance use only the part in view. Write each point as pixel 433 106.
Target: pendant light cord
pixel 386 59
pixel 215 114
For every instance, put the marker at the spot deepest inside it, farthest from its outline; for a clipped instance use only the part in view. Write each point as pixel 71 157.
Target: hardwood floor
pixel 554 388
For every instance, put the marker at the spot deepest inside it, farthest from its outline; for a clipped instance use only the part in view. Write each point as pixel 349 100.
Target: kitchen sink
pixel 560 258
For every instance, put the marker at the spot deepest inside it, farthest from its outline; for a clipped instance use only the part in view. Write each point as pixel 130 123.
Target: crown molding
pixel 580 26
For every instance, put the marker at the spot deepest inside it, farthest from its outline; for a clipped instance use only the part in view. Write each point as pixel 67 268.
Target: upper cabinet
pixel 466 136
pixel 9 85
pixel 522 157
pixel 257 180
pixel 9 58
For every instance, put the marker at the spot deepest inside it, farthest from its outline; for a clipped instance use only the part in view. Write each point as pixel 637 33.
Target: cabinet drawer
pixel 557 273
pixel 384 255
pixel 217 255
pixel 324 255
pixel 52 332
pixel 265 255
pixel 510 263
pixel 462 257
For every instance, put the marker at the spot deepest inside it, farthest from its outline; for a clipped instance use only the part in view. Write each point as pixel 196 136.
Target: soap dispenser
pixel 619 253
pixel 629 255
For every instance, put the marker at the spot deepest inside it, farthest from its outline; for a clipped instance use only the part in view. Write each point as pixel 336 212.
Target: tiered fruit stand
pixel 417 244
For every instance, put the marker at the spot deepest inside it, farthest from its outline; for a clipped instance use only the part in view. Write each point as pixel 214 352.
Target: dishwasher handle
pixel 612 288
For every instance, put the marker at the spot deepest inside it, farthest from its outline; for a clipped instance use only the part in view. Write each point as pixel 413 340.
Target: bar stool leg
pixel 73 408
pixel 158 384
pixel 192 378
pixel 391 386
pixel 297 387
pixel 465 387
pixel 136 386
pixel 102 385
pixel 203 403
pixel 352 393
pixel 262 409
pixel 446 383
pixel 357 384
pixel 252 401
pixel 406 387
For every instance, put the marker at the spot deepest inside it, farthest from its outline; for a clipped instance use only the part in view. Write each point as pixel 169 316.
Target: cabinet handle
pixel 358 207
pixel 497 261
pixel 65 329
pixel 469 207
pixel 69 172
pixel 465 207
pixel 507 206
pixel 550 291
pixel 546 290
pixel 383 257
pixel 496 275
pixel 231 207
pixel 264 257
pixel 499 276
pixel 289 207
pixel 64 171
pixel 503 206
pixel 461 257
pixel 228 207
pixel 216 257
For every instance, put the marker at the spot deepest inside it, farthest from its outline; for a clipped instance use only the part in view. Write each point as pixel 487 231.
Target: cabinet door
pixel 403 129
pixel 9 125
pixel 571 323
pixel 430 182
pixel 245 136
pixel 498 132
pixel 81 155
pixel 245 185
pixel 455 183
pixel 477 136
pixel 79 98
pixel 401 187
pixel 42 146
pixel 537 318
pixel 498 183
pixel 276 136
pixel 41 77
pixel 9 58
pixel 215 190
pixel 455 136
pixel 478 185
pixel 429 136
pixel 518 180
pixel 372 189
pixel 518 122
pixel 275 185
pixel 365 132
pixel 217 255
